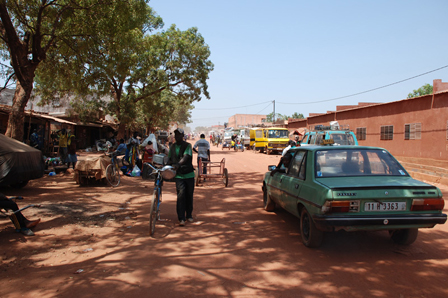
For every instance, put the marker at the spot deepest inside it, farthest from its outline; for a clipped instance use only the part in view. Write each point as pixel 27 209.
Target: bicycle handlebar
pixel 157 170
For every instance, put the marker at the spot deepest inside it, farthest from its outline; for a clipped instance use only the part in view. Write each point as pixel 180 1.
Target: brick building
pixel 241 120
pixel 414 128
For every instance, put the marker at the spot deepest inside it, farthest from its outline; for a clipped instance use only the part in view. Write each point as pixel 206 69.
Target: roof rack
pixel 321 127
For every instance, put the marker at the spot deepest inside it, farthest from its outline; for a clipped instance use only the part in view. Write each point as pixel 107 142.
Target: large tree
pixel 162 111
pixel 423 90
pixel 32 30
pixel 134 66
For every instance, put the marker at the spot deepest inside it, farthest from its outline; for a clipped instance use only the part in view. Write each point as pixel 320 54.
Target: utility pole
pixel 273 122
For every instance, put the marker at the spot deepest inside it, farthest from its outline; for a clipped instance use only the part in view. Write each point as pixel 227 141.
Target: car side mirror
pixel 271 168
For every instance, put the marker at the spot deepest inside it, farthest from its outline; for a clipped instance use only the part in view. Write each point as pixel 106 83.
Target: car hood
pixel 369 182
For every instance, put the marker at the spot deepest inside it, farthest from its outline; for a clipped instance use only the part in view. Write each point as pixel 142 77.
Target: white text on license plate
pixel 385 206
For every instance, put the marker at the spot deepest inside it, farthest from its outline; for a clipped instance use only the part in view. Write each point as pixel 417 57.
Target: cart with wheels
pixel 212 168
pixel 91 168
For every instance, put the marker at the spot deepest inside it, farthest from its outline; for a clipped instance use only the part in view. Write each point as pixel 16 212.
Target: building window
pixel 387 132
pixel 413 131
pixel 361 133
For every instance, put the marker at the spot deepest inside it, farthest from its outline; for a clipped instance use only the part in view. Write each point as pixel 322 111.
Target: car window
pixel 297 165
pixel 311 139
pixel 277 133
pixel 342 138
pixel 364 162
pixel 319 138
pixel 305 139
pixel 302 172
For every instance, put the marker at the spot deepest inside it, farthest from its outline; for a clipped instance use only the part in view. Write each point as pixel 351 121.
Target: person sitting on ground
pixel 283 164
pixel 21 224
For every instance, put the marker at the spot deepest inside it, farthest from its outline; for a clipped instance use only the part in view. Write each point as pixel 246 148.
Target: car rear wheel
pixel 404 236
pixel 311 236
pixel 269 205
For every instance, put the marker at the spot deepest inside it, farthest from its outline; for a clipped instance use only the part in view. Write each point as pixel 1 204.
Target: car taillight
pixel 340 206
pixel 427 204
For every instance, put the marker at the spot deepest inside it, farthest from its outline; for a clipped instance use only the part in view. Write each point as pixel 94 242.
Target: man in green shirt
pixel 180 157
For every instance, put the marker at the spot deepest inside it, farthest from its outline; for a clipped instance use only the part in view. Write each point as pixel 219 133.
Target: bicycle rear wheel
pixel 153 212
pixel 112 175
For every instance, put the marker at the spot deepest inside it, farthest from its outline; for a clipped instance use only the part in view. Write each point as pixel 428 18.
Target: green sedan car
pixel 331 188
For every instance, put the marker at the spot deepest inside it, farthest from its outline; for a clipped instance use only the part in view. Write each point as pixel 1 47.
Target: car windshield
pixel 342 138
pixel 228 134
pixel 277 133
pixel 356 162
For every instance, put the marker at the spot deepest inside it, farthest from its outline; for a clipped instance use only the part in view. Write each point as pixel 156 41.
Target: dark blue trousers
pixel 185 190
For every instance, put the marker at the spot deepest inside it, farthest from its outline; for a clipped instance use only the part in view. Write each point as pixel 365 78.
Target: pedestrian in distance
pixel 63 142
pixel 202 148
pixel 34 139
pixel 180 156
pixel 72 157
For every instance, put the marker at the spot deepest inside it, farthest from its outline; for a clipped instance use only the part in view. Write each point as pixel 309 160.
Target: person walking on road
pixel 180 156
pixel 202 148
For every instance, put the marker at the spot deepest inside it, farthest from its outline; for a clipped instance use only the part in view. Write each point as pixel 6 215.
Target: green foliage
pixel 151 79
pixel 297 116
pixel 34 31
pixel 87 109
pixel 423 90
pixel 161 111
pixel 270 116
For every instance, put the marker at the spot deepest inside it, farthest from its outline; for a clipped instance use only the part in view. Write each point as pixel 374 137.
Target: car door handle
pixel 297 186
pixel 281 180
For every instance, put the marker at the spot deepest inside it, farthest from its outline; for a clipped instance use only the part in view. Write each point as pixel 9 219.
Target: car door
pixel 293 181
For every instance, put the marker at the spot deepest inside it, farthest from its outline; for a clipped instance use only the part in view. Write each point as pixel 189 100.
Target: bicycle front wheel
pixel 112 175
pixel 153 212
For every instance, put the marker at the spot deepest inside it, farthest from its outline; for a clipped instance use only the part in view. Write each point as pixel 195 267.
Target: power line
pixel 210 118
pixel 257 104
pixel 264 108
pixel 336 98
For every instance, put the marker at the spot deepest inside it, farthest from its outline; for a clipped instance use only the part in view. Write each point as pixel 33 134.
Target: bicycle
pixel 112 170
pixel 166 172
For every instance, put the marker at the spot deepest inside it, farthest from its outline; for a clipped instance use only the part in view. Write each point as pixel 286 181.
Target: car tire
pixel 311 236
pixel 269 204
pixel 404 236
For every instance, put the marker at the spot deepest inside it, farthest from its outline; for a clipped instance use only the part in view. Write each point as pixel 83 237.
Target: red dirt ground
pixel 93 242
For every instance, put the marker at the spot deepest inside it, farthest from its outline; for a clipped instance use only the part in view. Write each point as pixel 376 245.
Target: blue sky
pixel 303 53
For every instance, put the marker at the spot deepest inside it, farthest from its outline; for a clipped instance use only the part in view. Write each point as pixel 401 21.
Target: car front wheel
pixel 311 236
pixel 404 236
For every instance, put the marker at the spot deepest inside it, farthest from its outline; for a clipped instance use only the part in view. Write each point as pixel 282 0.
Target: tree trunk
pixel 16 119
pixel 121 131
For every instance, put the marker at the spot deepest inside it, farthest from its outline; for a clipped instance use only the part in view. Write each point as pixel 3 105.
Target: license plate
pixel 385 206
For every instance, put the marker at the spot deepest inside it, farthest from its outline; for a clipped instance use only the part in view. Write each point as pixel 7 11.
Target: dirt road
pixel 93 242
